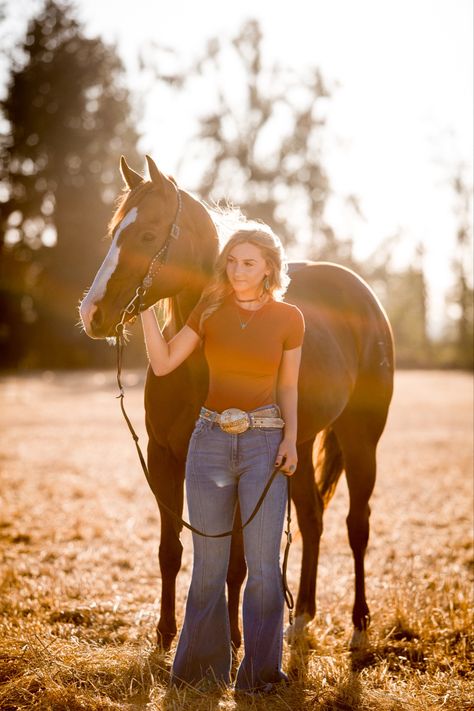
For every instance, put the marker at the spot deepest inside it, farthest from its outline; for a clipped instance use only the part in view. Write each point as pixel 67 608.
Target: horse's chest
pixel 172 407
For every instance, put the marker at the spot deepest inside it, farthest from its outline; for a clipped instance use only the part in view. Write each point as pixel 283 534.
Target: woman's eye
pixel 148 237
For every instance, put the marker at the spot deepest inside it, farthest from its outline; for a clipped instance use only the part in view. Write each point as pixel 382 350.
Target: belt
pixel 235 421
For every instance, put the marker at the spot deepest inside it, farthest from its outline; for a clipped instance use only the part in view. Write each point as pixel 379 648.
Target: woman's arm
pixel 287 399
pixel 165 357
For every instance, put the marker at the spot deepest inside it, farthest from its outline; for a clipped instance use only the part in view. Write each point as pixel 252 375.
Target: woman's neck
pixel 246 301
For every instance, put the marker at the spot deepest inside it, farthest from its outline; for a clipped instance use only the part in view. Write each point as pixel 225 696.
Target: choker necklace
pixel 247 301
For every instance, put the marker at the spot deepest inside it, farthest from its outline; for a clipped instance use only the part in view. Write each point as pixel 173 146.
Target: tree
pixel 461 296
pixel 262 142
pixel 403 294
pixel 69 119
pixel 406 306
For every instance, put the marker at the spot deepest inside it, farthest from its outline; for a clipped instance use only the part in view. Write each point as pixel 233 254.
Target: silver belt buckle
pixel 234 421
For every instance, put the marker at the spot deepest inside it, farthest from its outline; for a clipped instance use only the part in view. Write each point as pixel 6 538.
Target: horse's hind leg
pixel 167 484
pixel 235 578
pixel 309 511
pixel 358 447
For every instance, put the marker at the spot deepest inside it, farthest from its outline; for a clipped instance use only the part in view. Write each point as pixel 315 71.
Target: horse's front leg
pixel 235 578
pixel 167 480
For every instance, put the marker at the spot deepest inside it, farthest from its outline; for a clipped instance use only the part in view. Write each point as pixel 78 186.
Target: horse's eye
pixel 148 237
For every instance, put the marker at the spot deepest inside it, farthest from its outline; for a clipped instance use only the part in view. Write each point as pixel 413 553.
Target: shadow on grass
pixel 396 655
pixel 343 696
pixel 298 670
pixel 159 666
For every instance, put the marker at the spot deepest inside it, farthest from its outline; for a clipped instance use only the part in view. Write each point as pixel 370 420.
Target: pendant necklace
pixel 244 324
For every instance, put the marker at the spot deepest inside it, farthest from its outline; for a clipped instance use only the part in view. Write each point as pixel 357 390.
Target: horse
pixel 164 244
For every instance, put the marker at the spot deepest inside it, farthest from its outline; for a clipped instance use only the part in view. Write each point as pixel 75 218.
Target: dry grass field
pixel 80 584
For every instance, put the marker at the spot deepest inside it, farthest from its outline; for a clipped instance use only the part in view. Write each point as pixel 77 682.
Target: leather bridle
pixel 134 306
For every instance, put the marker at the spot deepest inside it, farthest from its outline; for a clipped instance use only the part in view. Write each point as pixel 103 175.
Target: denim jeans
pixel 220 468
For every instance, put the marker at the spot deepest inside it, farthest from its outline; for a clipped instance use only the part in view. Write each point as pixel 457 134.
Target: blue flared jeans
pixel 222 468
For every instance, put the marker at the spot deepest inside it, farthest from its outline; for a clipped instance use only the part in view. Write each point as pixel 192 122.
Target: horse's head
pixel 163 241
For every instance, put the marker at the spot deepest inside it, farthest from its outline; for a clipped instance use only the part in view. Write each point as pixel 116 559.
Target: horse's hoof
pixel 359 641
pixel 297 631
pixel 164 640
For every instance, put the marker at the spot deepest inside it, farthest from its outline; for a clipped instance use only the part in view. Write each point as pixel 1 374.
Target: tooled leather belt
pixel 235 421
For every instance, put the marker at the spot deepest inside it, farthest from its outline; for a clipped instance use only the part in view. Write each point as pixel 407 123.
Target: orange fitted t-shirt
pixel 244 362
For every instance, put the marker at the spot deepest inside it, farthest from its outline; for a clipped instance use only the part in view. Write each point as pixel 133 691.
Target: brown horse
pixel 345 384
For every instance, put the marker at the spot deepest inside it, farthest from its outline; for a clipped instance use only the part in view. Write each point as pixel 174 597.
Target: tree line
pixel 68 116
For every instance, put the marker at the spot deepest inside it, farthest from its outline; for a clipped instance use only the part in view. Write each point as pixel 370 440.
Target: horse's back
pixel 347 353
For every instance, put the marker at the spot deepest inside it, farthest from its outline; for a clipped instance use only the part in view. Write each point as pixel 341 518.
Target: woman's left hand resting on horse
pixel 287 399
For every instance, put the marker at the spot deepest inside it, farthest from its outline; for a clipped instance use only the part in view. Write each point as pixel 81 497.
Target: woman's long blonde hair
pixel 276 284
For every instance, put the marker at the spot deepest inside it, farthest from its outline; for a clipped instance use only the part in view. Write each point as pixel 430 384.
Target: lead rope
pixel 290 603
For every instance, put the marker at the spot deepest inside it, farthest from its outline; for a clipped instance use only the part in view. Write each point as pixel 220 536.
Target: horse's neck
pixel 207 240
pixel 206 248
pixel 181 306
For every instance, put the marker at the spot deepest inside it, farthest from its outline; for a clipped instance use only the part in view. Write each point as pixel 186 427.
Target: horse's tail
pixel 329 464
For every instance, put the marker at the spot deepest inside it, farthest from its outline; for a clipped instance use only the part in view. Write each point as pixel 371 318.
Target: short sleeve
pixel 295 329
pixel 195 317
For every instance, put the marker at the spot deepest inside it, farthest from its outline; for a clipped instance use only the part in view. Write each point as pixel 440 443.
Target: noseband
pixel 134 306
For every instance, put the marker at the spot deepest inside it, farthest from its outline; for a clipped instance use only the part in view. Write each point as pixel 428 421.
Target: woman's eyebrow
pixel 243 259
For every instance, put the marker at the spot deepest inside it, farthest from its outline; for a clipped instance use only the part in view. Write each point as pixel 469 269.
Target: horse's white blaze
pixel 109 265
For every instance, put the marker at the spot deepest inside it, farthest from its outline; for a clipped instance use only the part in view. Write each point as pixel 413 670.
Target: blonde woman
pixel 247 427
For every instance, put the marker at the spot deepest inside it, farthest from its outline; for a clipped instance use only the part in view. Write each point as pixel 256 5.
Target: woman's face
pixel 246 269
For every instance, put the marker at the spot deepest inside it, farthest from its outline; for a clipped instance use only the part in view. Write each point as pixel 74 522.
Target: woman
pixel 252 342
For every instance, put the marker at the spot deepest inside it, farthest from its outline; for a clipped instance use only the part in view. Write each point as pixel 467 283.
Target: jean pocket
pixel 201 426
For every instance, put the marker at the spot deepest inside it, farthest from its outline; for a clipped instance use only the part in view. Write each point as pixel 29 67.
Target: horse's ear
pixel 131 178
pixel 156 175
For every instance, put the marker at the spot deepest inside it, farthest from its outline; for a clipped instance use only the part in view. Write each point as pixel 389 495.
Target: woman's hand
pixel 287 458
pixel 287 399
pixel 165 357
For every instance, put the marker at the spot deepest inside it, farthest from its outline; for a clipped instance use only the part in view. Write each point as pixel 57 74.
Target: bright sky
pixel 399 121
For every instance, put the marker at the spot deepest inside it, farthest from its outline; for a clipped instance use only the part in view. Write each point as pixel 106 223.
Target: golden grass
pixel 80 585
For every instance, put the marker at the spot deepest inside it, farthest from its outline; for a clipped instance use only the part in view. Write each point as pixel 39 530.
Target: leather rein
pixel 132 310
